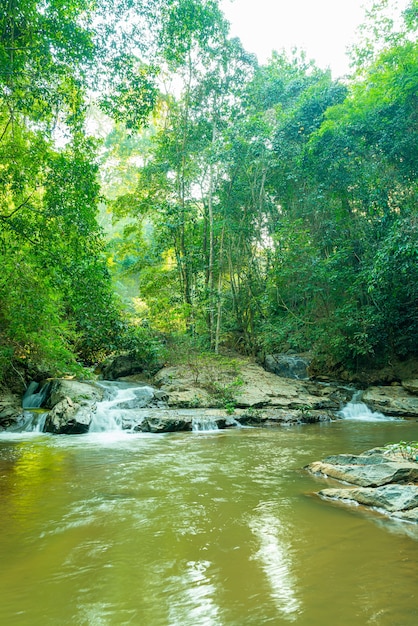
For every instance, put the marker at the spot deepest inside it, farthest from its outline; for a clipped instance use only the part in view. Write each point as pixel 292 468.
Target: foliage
pixel 408 449
pixel 54 55
pixel 144 344
pixel 276 210
pixel 264 209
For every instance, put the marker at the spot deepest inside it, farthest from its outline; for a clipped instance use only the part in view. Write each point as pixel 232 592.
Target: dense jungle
pixel 162 192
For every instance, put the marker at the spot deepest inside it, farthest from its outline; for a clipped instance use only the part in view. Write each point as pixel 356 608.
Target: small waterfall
pixel 31 422
pixel 119 400
pixel 34 396
pixel 357 410
pixel 205 423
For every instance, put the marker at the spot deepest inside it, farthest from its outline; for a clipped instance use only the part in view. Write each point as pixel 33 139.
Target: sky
pixel 323 28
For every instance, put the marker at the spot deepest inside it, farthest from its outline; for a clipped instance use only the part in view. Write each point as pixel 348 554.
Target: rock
pixel 267 417
pixel 386 480
pixel 409 516
pixel 249 387
pixel 178 420
pixel 126 365
pixel 389 497
pixel 143 396
pixel 161 424
pixel 72 405
pixel 371 475
pixel 411 386
pixel 79 392
pixel 183 397
pixel 10 409
pixel 68 417
pixel 391 400
pixel 264 389
pixel 287 365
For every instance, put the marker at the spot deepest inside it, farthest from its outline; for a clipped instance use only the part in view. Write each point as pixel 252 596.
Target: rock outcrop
pixel 69 418
pixel 10 409
pixel 288 365
pixel 249 388
pixel 79 392
pixel 393 400
pixel 411 386
pixel 400 500
pixel 385 480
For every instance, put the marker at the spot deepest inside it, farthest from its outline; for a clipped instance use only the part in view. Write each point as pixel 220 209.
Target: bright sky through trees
pixel 325 29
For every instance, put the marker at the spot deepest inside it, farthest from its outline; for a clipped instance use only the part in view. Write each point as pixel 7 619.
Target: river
pixel 197 529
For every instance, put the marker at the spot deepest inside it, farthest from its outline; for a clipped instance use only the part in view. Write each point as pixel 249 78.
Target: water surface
pixel 197 529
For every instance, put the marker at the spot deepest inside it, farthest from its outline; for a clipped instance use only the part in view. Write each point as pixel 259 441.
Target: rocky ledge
pixel 250 386
pixel 385 479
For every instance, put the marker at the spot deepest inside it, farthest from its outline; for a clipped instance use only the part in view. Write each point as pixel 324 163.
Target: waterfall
pixel 120 401
pixel 30 422
pixel 357 410
pixel 204 423
pixel 34 396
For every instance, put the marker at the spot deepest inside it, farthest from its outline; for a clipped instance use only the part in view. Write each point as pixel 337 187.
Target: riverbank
pixel 223 387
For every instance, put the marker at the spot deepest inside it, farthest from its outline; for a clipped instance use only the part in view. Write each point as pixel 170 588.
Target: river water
pixel 197 529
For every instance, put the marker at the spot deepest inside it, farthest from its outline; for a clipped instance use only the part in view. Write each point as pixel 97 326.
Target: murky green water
pixel 214 529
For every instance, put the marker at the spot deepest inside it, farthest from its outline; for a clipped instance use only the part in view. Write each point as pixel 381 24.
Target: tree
pixel 53 56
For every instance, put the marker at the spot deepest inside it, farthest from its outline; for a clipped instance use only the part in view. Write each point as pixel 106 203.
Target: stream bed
pixel 198 529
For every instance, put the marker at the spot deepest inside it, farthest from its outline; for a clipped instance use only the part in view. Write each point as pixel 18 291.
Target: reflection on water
pixel 198 595
pixel 217 529
pixel 275 558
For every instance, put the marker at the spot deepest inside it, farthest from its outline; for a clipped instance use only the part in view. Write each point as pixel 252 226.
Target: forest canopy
pixel 259 208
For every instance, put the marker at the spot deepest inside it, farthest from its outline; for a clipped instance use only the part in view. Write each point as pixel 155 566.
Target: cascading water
pixel 357 410
pixel 204 423
pixel 35 395
pixel 116 410
pixel 31 422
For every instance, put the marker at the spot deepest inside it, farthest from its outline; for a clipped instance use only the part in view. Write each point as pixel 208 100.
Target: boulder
pixel 79 392
pixel 411 386
pixel 287 365
pixel 391 400
pixel 126 365
pixel 10 409
pixel 367 475
pixel 389 497
pixel 70 418
pixel 164 424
